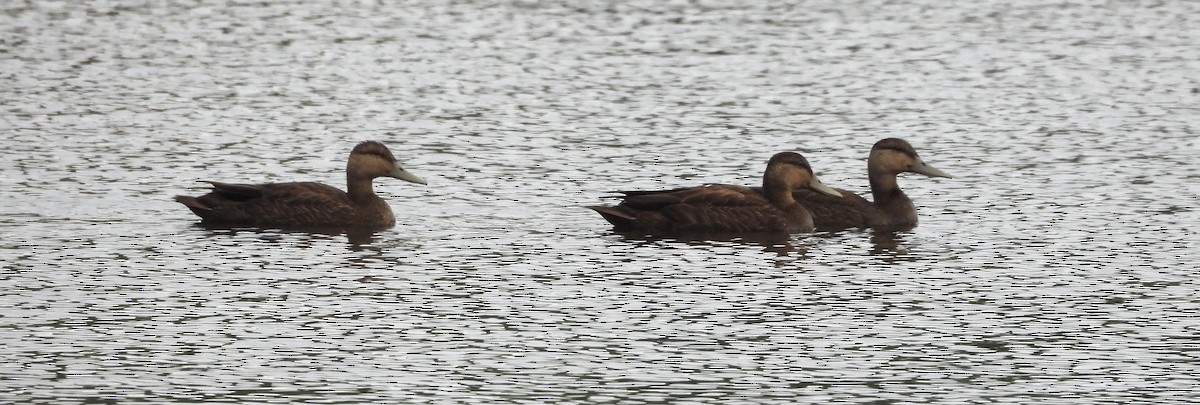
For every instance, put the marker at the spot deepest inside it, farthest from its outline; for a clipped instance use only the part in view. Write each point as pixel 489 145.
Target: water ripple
pixel 1055 267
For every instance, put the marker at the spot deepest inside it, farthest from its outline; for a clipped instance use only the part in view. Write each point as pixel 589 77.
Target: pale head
pixel 371 159
pixel 895 156
pixel 791 171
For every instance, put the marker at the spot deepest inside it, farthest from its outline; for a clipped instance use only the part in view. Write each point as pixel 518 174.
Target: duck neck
pixel 359 188
pixel 895 205
pixel 779 194
pixel 883 186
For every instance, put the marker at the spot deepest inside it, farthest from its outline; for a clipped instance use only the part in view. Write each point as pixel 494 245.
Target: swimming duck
pixel 307 204
pixel 891 210
pixel 723 208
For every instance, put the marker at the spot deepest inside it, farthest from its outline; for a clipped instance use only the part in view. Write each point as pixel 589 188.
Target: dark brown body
pixel 718 208
pixel 721 208
pixel 307 204
pixel 288 204
pixel 895 211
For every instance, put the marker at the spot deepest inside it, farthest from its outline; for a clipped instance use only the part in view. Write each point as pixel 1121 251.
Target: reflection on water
pixel 1058 265
pixel 357 238
pixel 888 243
pixel 766 240
pixel 780 244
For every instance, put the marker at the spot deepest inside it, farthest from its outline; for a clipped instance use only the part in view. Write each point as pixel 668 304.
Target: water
pixel 1057 266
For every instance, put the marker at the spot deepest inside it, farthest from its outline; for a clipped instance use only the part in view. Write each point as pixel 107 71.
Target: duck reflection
pixel 358 239
pixel 891 245
pixel 779 243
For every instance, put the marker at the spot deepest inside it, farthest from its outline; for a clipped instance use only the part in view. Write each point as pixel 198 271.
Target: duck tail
pixel 193 204
pixel 614 215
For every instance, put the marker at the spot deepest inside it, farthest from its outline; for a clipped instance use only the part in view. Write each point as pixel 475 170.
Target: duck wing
pixel 708 208
pixel 718 195
pixel 237 192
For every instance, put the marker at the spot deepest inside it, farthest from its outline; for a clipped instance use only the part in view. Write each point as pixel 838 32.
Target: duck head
pixel 789 171
pixel 895 156
pixel 371 159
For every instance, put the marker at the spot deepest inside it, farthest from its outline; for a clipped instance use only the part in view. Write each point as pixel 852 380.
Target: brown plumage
pixel 307 204
pixel 891 210
pixel 722 208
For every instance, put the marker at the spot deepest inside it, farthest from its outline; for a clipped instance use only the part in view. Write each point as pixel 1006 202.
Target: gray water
pixel 1058 266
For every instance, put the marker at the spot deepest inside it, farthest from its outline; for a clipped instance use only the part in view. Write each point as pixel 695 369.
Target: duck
pixel 307 204
pixel 891 209
pixel 723 208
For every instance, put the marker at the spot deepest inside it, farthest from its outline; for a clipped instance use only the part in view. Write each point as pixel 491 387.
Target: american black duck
pixel 723 208
pixel 891 208
pixel 307 204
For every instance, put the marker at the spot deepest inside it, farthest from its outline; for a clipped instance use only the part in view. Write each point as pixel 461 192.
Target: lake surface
pixel 1058 266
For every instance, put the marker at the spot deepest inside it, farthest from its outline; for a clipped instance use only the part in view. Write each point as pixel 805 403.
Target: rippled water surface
pixel 1057 266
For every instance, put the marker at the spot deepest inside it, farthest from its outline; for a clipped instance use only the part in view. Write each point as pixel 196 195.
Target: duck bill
pixel 816 184
pixel 928 170
pixel 402 174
